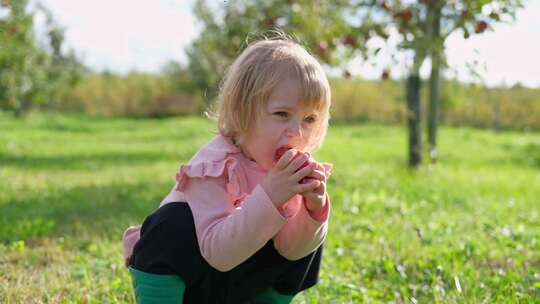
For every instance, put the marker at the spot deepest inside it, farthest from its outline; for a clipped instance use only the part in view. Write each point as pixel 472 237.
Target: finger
pixel 304 172
pixel 308 187
pixel 317 174
pixel 326 168
pixel 285 159
pixel 297 163
pixel 321 189
pixel 319 166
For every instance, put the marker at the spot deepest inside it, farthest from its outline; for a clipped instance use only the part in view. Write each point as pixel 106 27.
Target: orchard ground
pixel 462 231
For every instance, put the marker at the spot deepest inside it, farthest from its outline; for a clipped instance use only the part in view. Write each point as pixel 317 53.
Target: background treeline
pixel 172 93
pixel 42 73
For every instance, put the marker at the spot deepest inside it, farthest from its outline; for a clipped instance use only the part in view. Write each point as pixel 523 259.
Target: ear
pixel 234 140
pixel 237 139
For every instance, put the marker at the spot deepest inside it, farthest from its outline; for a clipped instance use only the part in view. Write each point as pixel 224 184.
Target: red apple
pixel 480 26
pixel 323 47
pixel 385 74
pixel 349 40
pixel 279 153
pixel 270 21
pixel 405 15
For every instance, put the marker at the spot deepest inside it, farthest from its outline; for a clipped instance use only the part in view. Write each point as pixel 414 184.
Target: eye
pixel 310 119
pixel 281 114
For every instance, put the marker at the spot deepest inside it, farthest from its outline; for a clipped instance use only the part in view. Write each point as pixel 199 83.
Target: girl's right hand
pixel 282 182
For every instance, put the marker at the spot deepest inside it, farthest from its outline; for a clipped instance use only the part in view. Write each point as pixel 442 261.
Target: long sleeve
pixel 303 233
pixel 229 235
pixel 131 236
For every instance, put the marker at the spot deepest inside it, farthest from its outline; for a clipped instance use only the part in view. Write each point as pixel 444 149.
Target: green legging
pixel 164 289
pixel 157 288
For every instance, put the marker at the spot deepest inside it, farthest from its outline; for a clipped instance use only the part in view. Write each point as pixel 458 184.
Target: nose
pixel 294 129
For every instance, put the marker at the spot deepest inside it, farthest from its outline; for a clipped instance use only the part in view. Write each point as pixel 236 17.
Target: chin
pixel 267 165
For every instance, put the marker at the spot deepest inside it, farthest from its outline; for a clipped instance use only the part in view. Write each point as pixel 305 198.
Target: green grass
pixel 71 184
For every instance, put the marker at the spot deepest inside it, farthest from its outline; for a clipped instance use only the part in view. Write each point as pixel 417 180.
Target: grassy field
pixel 464 231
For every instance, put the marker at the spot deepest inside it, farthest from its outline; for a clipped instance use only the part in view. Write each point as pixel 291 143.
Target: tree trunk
pixel 21 106
pixel 434 80
pixel 414 119
pixel 434 101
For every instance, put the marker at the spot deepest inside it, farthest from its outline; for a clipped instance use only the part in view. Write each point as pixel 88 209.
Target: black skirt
pixel 168 245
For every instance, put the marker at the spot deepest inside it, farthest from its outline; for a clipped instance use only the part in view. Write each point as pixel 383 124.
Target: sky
pixel 122 35
pixel 125 35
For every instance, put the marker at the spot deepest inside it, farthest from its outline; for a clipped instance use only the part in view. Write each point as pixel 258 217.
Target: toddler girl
pixel 248 215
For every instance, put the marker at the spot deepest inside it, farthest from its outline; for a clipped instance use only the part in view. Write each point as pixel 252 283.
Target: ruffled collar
pixel 217 157
pixel 228 146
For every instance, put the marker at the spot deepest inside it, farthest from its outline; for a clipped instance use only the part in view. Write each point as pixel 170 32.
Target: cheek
pixel 272 132
pixel 308 137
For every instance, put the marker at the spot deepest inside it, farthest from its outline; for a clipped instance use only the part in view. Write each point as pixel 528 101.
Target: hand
pixel 283 181
pixel 316 199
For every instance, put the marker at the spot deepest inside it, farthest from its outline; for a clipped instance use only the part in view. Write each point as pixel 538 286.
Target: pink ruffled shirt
pixel 233 215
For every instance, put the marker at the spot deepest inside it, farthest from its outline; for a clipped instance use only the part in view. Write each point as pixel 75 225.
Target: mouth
pixel 281 150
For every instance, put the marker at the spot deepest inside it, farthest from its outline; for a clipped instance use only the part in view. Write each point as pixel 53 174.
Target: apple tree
pixel 340 31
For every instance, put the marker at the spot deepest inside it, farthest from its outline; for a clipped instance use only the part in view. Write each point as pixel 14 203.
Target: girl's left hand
pixel 316 199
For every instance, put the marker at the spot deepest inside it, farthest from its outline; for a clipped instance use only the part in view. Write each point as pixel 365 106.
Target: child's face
pixel 283 122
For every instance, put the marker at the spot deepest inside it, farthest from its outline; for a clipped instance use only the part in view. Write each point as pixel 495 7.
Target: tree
pixel 446 18
pixel 20 59
pixel 340 31
pixel 29 73
pixel 435 10
pixel 422 27
pixel 226 29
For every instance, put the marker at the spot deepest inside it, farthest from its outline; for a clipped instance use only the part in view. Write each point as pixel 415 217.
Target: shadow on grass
pixel 531 154
pixel 89 161
pixel 527 155
pixel 82 212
